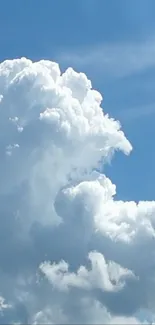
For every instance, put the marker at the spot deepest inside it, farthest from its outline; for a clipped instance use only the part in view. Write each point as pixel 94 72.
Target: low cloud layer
pixel 69 252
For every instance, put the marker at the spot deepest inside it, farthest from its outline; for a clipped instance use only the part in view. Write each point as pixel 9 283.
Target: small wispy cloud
pixel 134 113
pixel 113 59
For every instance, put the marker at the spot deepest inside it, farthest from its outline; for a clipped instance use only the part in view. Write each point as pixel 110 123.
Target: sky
pixel 113 44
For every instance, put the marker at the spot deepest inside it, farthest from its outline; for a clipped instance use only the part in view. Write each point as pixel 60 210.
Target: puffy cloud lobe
pixel 121 221
pixel 107 277
pixel 54 134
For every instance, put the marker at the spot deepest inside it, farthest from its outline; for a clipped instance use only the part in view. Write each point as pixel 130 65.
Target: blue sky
pixel 114 43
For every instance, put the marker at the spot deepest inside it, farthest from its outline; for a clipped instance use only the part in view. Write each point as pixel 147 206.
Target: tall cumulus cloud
pixel 69 252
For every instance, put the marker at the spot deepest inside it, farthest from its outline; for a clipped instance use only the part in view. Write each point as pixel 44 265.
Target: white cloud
pixel 107 277
pixel 3 305
pixel 55 207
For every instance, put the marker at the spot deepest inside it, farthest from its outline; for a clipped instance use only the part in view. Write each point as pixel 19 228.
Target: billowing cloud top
pixel 70 253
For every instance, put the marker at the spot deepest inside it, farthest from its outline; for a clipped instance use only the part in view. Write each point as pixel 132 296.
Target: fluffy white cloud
pixel 70 253
pixel 107 277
